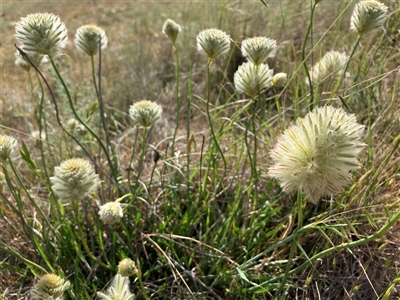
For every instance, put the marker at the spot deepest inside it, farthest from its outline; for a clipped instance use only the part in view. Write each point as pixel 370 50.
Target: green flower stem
pixel 189 92
pixel 178 98
pixel 132 156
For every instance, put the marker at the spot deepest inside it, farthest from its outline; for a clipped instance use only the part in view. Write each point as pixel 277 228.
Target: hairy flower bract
pixel 213 42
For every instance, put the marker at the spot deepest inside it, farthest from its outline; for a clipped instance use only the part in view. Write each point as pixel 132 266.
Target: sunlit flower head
pixel 88 38
pixel 111 212
pixel 42 33
pixel 7 145
pixel 171 29
pixel 119 289
pixel 279 79
pixel 213 42
pixel 316 155
pixel 368 16
pixel 50 286
pixel 145 113
pixel 250 79
pixel 127 267
pixel 35 58
pixel 75 178
pixel 258 49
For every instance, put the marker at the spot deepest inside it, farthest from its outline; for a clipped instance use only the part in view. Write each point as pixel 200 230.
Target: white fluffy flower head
pixel 50 286
pixel 7 145
pixel 88 38
pixel 127 267
pixel 111 212
pixel 145 113
pixel 74 178
pixel 42 33
pixel 251 79
pixel 317 155
pixel 119 289
pixel 368 16
pixel 171 29
pixel 258 49
pixel 213 42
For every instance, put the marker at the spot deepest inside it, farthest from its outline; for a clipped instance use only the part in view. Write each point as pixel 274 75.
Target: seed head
pixel 73 179
pixel 145 113
pixel 7 145
pixel 42 33
pixel 88 38
pixel 119 289
pixel 127 267
pixel 258 49
pixel 368 16
pixel 317 155
pixel 111 212
pixel 213 42
pixel 171 29
pixel 251 79
pixel 50 287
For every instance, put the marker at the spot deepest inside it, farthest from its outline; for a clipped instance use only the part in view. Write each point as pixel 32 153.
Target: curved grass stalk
pixel 178 98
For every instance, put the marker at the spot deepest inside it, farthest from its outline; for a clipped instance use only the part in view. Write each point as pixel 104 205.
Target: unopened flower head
pixel 89 37
pixel 50 286
pixel 317 155
pixel 258 49
pixel 368 16
pixel 145 113
pixel 7 145
pixel 127 267
pixel 171 29
pixel 35 58
pixel 119 289
pixel 74 178
pixel 42 33
pixel 279 79
pixel 251 79
pixel 331 66
pixel 213 42
pixel 111 212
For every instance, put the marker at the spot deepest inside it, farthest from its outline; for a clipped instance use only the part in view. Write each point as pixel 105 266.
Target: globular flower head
pixel 145 113
pixel 119 289
pixel 251 79
pixel 35 58
pixel 213 42
pixel 317 155
pixel 89 37
pixel 171 29
pixel 50 286
pixel 330 67
pixel 368 16
pixel 42 33
pixel 74 178
pixel 111 212
pixel 279 79
pixel 7 145
pixel 127 267
pixel 258 49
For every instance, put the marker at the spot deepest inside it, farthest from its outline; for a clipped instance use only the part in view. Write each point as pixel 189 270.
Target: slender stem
pixel 178 98
pixel 189 92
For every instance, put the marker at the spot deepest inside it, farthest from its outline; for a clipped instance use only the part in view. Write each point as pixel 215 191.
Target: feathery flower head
pixel 127 267
pixel 111 212
pixel 145 113
pixel 88 37
pixel 279 79
pixel 50 286
pixel 317 155
pixel 368 16
pixel 119 289
pixel 36 59
pixel 7 145
pixel 171 29
pixel 213 42
pixel 251 79
pixel 74 178
pixel 331 66
pixel 42 33
pixel 258 49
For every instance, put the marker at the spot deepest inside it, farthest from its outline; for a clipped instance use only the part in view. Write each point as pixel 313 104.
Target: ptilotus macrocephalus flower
pixel 145 113
pixel 50 286
pixel 258 49
pixel 213 42
pixel 119 289
pixel 171 29
pixel 368 16
pixel 251 79
pixel 7 145
pixel 111 212
pixel 88 38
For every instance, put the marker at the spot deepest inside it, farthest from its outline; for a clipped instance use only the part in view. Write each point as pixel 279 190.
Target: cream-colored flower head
pixel 279 79
pixel 317 155
pixel 127 267
pixel 213 42
pixel 171 29
pixel 330 67
pixel 75 178
pixel 368 16
pixel 88 38
pixel 50 286
pixel 145 113
pixel 251 79
pixel 119 289
pixel 111 212
pixel 35 58
pixel 258 49
pixel 42 33
pixel 7 145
